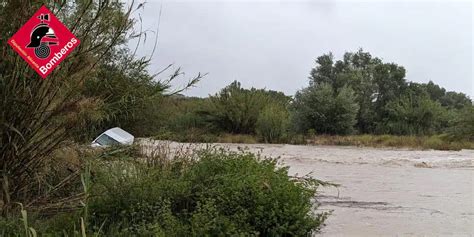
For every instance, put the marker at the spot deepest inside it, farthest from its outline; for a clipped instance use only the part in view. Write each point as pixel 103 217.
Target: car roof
pixel 119 135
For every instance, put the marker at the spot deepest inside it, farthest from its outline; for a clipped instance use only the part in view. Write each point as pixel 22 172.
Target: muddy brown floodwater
pixel 389 192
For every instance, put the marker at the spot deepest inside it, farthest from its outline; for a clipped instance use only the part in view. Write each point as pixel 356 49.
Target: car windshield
pixel 105 140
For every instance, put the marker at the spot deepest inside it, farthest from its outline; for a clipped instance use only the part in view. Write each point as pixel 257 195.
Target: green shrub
pixel 11 227
pixel 463 125
pixel 272 123
pixel 178 114
pixel 412 114
pixel 255 194
pixel 221 194
pixel 235 109
pixel 320 108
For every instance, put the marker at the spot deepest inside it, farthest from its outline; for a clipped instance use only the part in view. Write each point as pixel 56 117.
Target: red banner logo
pixel 43 42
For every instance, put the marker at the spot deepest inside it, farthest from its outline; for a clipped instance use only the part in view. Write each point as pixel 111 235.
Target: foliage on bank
pixel 359 94
pixel 185 192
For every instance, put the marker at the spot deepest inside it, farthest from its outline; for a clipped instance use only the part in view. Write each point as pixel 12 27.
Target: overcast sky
pixel 273 44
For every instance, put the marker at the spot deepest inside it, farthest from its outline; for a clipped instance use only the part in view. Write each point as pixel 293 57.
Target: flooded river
pixel 390 192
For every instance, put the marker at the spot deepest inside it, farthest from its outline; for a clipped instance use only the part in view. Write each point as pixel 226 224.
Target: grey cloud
pixel 273 44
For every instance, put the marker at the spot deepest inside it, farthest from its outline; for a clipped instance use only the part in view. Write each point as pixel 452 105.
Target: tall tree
pixel 414 113
pixel 318 107
pixel 374 83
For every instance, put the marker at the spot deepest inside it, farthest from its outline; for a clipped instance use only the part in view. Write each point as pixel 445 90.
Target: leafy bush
pixel 11 227
pixel 180 114
pixel 463 127
pixel 412 114
pixel 219 194
pixel 272 123
pixel 320 108
pixel 236 110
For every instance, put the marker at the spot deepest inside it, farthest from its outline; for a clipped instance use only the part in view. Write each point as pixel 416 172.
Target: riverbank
pixel 435 142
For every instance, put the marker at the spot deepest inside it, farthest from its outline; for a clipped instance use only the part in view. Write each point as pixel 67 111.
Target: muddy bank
pixel 385 191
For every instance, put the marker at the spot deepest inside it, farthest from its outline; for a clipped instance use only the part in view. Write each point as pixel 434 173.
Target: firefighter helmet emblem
pixel 42 37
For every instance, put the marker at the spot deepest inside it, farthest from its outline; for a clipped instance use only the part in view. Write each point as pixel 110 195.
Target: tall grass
pixel 437 142
pixel 36 114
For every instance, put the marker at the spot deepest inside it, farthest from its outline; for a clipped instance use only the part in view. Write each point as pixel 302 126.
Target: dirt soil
pixel 386 192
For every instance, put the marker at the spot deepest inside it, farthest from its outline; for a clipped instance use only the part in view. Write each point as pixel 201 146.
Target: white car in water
pixel 113 136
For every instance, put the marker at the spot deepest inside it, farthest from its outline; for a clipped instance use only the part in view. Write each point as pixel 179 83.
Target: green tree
pixel 236 110
pixel 414 113
pixel 324 71
pixel 455 100
pixel 463 126
pixel 374 83
pixel 390 83
pixel 448 99
pixel 435 91
pixel 318 107
pixel 357 69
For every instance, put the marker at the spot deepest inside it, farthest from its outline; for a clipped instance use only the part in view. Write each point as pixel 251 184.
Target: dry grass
pixel 237 138
pixel 437 142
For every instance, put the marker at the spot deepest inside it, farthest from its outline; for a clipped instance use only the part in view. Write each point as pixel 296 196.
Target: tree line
pixel 359 94
pixel 362 94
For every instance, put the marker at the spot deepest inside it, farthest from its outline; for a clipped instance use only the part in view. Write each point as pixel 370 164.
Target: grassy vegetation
pixel 436 142
pixel 239 115
pixel 185 192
